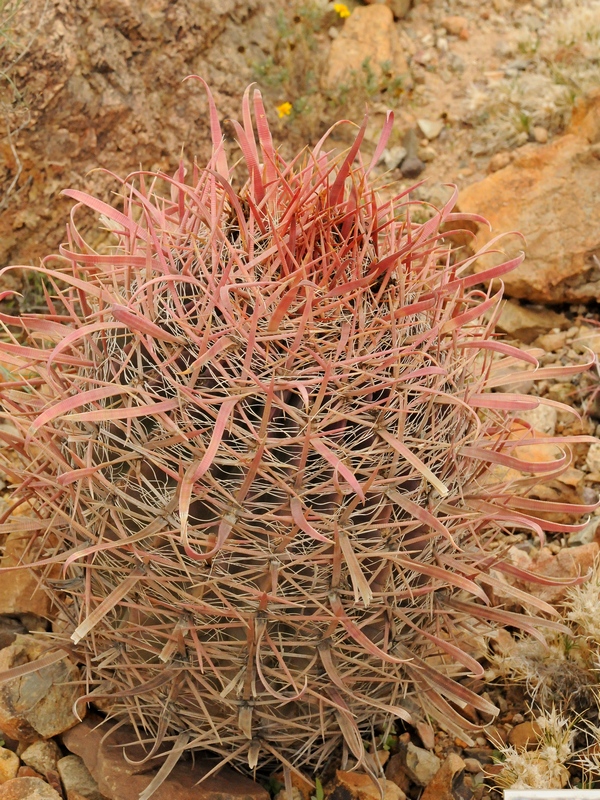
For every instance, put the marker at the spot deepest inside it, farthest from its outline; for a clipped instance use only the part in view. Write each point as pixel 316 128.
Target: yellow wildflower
pixel 284 110
pixel 341 9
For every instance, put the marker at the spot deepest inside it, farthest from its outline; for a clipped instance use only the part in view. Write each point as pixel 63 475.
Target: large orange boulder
pixel 551 195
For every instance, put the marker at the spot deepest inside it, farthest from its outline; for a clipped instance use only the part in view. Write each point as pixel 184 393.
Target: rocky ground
pixel 499 98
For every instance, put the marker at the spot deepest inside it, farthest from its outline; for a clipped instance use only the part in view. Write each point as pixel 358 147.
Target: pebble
pixel 393 156
pixel 28 789
pixel 427 154
pixel 421 765
pixel 592 460
pixel 540 134
pixel 524 736
pixel 472 765
pixel 499 161
pixel 412 167
pixel 431 129
pixel 42 756
pixel 76 777
pixel 9 764
pixel 455 25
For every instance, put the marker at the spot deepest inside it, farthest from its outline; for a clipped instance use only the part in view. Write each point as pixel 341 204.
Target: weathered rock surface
pixel 119 780
pixel 571 562
pixel 550 194
pixel 28 789
pixel 441 785
pixel 20 591
pixel 39 704
pixel 357 786
pixel 42 756
pixel 369 35
pixel 421 765
pixel 76 777
pixel 526 324
pixel 9 764
pixel 102 85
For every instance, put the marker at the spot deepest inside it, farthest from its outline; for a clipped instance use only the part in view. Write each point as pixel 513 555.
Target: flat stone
pixel 430 128
pixel 119 780
pixel 76 777
pixel 42 756
pixel 28 789
pixel 20 590
pixel 535 195
pixel 571 562
pixel 357 786
pixel 526 323
pixel 441 785
pixel 421 765
pixel 39 704
pixel 9 764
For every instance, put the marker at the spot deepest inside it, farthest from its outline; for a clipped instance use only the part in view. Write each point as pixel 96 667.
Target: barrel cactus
pixel 256 435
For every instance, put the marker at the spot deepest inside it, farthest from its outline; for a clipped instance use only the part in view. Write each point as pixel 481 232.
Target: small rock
pixel 540 134
pixel 395 771
pixel 9 764
pixel 28 772
pixel 22 593
pixel 526 323
pixel 42 756
pixel 543 419
pixel 525 736
pixel 472 765
pixel 9 628
pixel 426 734
pixel 118 779
pixel 499 161
pixel 75 777
pixel 570 562
pixel 39 704
pixel 585 536
pixel 427 154
pixel 481 754
pixel 412 167
pixel 440 786
pixel 356 786
pixel 421 765
pixel 431 129
pixel 592 460
pixel 393 156
pixel 552 342
pixel 28 789
pixel 455 25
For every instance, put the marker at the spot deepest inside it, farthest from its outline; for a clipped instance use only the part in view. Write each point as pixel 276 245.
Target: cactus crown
pixel 256 436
